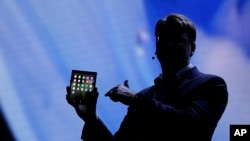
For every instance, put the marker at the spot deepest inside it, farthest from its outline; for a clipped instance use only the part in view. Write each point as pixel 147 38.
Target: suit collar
pixel 182 72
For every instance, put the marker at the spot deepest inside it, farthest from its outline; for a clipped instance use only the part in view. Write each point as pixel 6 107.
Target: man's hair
pixel 180 22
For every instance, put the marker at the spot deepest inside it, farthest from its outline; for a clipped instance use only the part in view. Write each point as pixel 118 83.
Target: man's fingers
pixel 68 89
pixel 93 95
pixel 69 101
pixel 126 83
pixel 114 89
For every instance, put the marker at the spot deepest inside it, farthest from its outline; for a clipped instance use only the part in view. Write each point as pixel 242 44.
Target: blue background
pixel 42 41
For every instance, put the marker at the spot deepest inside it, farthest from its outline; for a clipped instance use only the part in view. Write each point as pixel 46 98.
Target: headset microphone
pixel 153 58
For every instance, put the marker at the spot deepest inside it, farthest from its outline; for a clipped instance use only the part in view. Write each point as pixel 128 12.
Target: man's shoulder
pixel 194 78
pixel 211 78
pixel 195 74
pixel 199 80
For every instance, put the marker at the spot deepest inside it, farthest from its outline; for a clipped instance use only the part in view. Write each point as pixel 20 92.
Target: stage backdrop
pixel 42 41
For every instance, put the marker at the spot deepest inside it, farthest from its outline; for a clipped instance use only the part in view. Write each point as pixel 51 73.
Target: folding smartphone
pixel 81 84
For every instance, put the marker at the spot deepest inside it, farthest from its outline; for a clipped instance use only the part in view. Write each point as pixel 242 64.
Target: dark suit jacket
pixel 190 111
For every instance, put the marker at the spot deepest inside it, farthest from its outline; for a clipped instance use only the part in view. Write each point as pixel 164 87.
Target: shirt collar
pixel 180 73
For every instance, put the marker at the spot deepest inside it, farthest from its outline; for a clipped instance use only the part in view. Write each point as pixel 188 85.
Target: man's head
pixel 175 41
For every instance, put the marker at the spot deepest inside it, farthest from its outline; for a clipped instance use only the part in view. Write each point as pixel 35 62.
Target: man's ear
pixel 193 47
pixel 157 39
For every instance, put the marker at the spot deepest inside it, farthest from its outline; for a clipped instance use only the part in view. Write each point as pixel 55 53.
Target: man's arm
pixel 204 101
pixel 96 131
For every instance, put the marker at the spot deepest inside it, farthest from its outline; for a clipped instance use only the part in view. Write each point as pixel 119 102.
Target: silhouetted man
pixel 183 103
